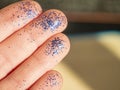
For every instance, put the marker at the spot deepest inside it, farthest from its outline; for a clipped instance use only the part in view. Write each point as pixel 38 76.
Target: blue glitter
pixel 52 80
pixel 26 7
pixel 55 47
pixel 31 14
pixel 55 25
pixel 51 21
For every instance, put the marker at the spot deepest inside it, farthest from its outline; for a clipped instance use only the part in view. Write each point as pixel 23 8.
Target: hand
pixel 31 44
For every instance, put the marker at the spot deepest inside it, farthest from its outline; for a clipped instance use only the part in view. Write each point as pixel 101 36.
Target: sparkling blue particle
pixel 55 46
pixel 51 21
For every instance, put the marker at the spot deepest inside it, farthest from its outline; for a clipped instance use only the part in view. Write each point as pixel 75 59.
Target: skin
pixel 17 15
pixel 52 80
pixel 31 44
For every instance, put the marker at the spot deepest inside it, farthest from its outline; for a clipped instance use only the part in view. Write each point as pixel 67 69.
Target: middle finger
pixel 24 42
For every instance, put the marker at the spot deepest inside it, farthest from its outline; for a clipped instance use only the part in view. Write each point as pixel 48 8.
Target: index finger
pixel 17 15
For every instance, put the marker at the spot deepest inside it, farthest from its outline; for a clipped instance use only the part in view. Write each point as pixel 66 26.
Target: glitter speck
pixel 55 46
pixel 51 21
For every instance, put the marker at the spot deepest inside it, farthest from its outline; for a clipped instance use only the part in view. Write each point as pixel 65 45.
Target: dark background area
pixel 85 28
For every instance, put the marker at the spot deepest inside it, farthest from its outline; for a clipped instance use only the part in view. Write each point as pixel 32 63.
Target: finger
pixel 52 80
pixel 24 42
pixel 16 15
pixel 43 60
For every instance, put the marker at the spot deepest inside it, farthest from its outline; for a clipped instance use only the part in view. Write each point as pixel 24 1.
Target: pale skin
pixel 31 44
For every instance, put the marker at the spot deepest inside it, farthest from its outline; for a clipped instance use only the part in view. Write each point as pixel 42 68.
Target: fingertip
pixel 66 40
pixel 53 20
pixel 51 80
pixel 57 47
pixel 56 77
pixel 59 77
pixel 31 7
pixel 37 6
pixel 63 19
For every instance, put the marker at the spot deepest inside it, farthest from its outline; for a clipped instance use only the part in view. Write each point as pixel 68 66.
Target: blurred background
pixel 94 59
